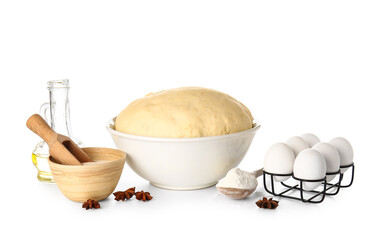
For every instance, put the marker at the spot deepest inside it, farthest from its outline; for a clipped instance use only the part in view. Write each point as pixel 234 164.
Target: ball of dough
pixel 184 113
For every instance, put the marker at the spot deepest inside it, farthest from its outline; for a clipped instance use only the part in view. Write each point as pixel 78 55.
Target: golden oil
pixel 42 165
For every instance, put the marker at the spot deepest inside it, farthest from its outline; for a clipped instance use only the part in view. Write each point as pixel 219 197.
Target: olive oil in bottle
pixel 42 165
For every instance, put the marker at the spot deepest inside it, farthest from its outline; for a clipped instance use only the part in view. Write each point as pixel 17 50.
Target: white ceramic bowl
pixel 183 163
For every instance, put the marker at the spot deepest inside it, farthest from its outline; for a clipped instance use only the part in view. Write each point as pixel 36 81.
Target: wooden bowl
pixel 93 180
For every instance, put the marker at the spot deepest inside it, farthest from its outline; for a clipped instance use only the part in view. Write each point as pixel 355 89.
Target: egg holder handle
pixel 327 188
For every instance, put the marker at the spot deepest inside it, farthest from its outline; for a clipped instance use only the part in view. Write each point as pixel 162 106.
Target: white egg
pixel 310 138
pixel 345 150
pixel 297 144
pixel 279 159
pixel 309 165
pixel 331 156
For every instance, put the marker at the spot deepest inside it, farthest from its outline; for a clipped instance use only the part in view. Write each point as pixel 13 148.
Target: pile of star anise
pixel 122 195
pixel 267 203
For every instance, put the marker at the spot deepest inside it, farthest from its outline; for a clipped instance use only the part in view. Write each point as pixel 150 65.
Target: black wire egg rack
pixel 296 190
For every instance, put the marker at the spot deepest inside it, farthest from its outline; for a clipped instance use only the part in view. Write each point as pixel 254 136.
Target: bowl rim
pixel 110 128
pixel 116 161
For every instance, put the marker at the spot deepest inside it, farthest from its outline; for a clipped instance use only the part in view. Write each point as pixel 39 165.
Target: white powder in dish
pixel 236 178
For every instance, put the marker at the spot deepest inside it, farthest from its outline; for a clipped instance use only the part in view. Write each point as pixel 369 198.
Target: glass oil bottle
pixel 57 113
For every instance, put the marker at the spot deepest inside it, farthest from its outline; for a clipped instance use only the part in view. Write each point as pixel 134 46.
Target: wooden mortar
pixel 93 180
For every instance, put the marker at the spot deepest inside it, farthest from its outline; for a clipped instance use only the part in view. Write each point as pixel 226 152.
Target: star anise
pixel 91 204
pixel 144 196
pixel 267 203
pixel 122 195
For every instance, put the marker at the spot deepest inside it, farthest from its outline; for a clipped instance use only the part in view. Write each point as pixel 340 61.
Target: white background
pixel 300 66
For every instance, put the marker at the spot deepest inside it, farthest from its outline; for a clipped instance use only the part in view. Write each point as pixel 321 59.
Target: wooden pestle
pixel 61 147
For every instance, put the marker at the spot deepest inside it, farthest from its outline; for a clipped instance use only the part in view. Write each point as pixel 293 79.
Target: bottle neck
pixel 60 108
